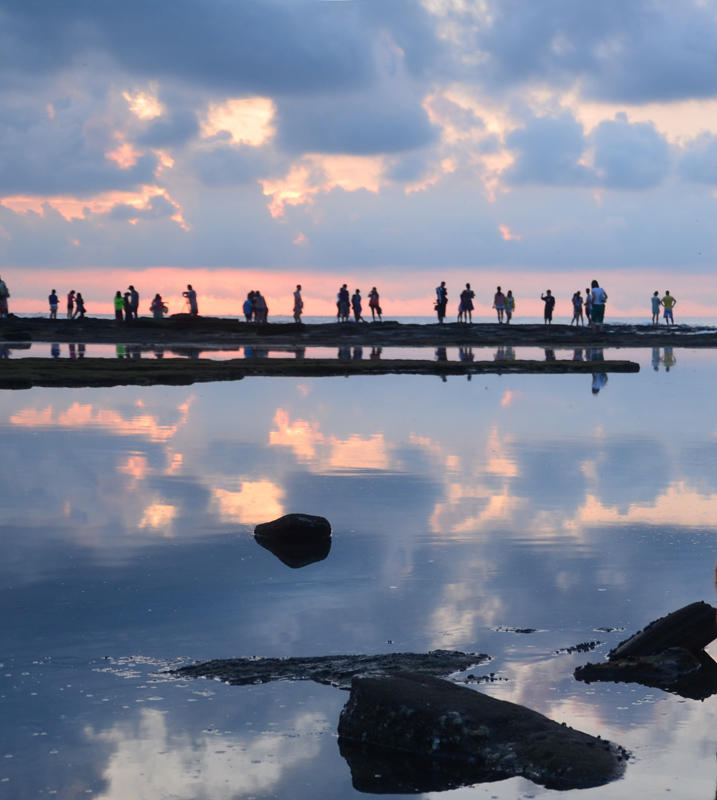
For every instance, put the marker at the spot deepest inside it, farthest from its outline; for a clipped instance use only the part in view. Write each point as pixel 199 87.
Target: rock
pixel 484 737
pixel 296 554
pixel 305 527
pixel 692 627
pixel 332 670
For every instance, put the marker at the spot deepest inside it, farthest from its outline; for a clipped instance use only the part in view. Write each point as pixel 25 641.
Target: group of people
pixel 75 304
pixel 667 303
pixel 504 304
pixel 593 304
pixel 255 308
pixel 344 304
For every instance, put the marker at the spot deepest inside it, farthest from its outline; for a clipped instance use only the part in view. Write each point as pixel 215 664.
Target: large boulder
pixel 305 527
pixel 435 719
pixel 296 539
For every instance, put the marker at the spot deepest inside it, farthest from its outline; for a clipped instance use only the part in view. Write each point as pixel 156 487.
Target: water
pixel 461 510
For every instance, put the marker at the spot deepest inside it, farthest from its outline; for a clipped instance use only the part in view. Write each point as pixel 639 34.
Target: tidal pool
pixel 462 512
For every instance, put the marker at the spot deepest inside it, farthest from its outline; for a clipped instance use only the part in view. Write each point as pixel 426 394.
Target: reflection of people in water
pixel 668 359
pixel 358 353
pixel 55 350
pixel 300 352
pixel 500 354
pixel 81 350
pixel 376 353
pixel 549 354
pixel 73 351
pixel 441 354
pixel 159 352
pixel 599 380
pixel 466 354
pixel 344 352
pixel 656 357
pixel 596 354
pixel 578 354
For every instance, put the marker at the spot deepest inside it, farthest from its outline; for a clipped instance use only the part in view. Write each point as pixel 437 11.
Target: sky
pixel 260 144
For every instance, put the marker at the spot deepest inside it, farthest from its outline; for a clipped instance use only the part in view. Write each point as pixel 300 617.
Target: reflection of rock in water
pixel 464 737
pixel 298 553
pixel 331 670
pixel 296 539
pixel 379 770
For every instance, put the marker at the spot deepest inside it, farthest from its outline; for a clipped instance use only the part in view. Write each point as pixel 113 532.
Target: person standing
pixel 343 304
pixel 127 307
pixel 467 296
pixel 441 301
pixel 373 299
pixel 589 306
pixel 191 296
pixel 509 306
pixel 4 295
pixel 668 302
pixel 499 304
pixel 53 300
pixel 549 301
pixel 261 310
pixel 356 305
pixel 656 303
pixel 158 308
pixel 577 309
pixel 298 304
pixel 599 298
pixel 79 306
pixel 248 307
pixel 70 303
pixel 119 306
pixel 133 303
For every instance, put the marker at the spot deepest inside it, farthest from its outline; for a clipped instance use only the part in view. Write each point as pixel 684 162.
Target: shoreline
pixel 216 332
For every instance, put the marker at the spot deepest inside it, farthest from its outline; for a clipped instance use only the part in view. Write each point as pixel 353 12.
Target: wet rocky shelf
pixel 334 670
pixel 24 373
pixel 217 331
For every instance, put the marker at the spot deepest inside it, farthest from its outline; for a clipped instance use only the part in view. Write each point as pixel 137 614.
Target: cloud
pixel 548 150
pixel 636 52
pixel 630 155
pixel 175 129
pixel 699 161
pixel 229 165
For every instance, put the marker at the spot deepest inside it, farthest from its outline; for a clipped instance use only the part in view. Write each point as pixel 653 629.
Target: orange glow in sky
pixel 247 119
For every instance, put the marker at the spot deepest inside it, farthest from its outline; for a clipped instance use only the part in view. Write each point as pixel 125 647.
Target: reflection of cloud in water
pixel 328 453
pixel 82 416
pixel 151 761
pixel 158 517
pixel 256 501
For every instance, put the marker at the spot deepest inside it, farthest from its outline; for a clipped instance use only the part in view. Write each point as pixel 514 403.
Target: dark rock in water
pixel 692 627
pixel 485 737
pixel 332 670
pixel 295 526
pixel 675 670
pixel 296 553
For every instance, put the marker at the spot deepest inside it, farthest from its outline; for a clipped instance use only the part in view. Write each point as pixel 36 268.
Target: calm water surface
pixel 461 510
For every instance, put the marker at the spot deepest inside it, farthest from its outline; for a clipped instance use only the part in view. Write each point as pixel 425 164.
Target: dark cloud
pixel 156 208
pixel 630 155
pixel 257 46
pixel 230 165
pixel 699 162
pixel 176 129
pixel 548 150
pixel 636 52
pixel 380 121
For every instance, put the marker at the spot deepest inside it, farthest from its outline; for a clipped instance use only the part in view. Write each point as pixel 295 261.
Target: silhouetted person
pixel 656 303
pixel 53 300
pixel 597 313
pixel 668 303
pixel 70 303
pixel 133 302
pixel 119 306
pixel 549 301
pixel 79 306
pixel 298 304
pixel 373 304
pixel 441 301
pixel 499 304
pixel 356 305
pixel 191 296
